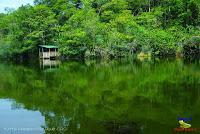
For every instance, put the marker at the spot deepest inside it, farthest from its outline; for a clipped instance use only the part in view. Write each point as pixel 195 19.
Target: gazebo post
pixel 39 52
pixel 42 53
pixel 49 53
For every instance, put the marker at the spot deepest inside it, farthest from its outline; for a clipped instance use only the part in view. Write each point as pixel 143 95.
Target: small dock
pixel 48 52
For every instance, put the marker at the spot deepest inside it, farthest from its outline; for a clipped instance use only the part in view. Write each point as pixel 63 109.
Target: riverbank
pixel 190 48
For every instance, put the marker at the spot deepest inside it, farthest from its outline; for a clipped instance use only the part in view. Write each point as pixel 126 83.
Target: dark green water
pixel 117 97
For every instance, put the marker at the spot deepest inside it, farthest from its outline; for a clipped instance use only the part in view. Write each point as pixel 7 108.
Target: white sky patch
pixel 13 4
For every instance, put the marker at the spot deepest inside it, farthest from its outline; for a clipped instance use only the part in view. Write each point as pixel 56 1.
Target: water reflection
pixel 49 64
pixel 19 120
pixel 122 128
pixel 106 98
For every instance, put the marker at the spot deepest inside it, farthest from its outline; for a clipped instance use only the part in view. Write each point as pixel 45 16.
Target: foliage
pixel 191 47
pixel 101 28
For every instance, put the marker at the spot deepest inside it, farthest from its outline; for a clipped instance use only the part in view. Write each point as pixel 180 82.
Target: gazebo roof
pixel 48 46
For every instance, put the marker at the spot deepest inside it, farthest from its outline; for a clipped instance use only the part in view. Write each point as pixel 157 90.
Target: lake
pixel 93 97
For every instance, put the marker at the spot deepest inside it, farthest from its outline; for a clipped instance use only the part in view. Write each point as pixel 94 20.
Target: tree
pixel 101 27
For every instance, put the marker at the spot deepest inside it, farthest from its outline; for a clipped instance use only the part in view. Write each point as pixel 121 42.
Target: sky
pixel 13 4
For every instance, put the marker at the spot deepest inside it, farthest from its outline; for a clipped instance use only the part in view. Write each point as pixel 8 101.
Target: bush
pixel 97 52
pixel 119 51
pixel 162 50
pixel 191 47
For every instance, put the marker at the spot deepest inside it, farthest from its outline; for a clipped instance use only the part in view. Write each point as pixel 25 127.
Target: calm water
pixel 116 97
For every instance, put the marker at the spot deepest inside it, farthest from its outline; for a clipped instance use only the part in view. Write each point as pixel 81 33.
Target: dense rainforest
pixel 103 28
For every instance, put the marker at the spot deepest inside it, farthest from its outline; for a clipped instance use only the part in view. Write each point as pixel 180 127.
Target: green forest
pixel 103 28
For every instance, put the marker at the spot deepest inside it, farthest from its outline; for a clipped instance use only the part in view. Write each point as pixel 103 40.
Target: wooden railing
pixel 48 54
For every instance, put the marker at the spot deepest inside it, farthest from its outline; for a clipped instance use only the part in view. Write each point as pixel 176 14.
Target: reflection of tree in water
pixel 15 105
pixel 62 124
pixel 79 121
pixel 100 98
pixel 122 128
pixel 56 123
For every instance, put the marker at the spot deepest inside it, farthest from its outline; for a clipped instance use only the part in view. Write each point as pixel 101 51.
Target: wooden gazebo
pixel 48 52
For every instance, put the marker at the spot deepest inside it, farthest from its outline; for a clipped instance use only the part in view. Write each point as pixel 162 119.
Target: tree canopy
pixel 101 28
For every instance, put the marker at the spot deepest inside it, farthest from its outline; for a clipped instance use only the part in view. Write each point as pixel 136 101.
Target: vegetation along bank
pixel 103 28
